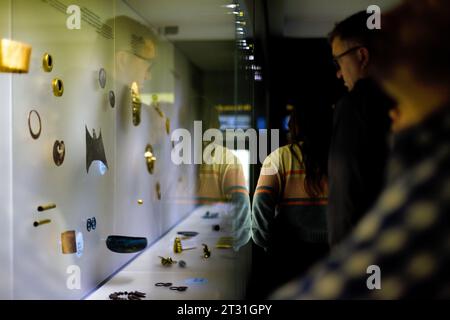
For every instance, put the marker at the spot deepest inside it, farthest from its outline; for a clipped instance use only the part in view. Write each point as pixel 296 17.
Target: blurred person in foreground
pixel 407 233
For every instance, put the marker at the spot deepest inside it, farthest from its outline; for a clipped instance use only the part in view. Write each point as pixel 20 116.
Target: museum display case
pixel 91 93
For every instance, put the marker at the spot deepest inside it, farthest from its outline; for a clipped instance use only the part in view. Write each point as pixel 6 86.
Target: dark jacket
pixel 358 155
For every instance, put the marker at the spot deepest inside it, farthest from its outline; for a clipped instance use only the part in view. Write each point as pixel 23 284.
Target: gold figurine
pixel 177 247
pixel 167 261
pixel 150 158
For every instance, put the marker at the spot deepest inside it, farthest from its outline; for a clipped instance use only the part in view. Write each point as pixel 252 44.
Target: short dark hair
pixel 354 28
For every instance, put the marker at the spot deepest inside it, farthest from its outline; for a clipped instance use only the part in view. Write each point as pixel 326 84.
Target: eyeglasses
pixel 336 58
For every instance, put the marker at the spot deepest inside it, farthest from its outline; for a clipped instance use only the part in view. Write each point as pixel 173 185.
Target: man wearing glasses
pixel 359 146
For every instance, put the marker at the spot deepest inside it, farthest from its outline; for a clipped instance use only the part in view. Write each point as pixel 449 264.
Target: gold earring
pixel 58 87
pixel 47 62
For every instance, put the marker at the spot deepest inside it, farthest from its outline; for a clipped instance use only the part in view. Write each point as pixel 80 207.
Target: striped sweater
pixel 282 209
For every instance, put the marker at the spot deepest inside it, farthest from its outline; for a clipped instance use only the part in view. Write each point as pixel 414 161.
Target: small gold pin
pixel 46 207
pixel 41 222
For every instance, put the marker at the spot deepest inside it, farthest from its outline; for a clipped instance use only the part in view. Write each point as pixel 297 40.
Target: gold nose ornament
pixel 59 152
pixel 14 56
pixel 58 87
pixel 136 104
pixel 47 62
pixel 167 261
pixel 102 78
pixel 150 158
pixel 112 99
pixel 35 134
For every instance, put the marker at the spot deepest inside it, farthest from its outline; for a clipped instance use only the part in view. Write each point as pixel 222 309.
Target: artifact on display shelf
pixel 209 215
pixel 41 222
pixel 188 233
pixel 58 87
pixel 225 243
pixel 47 62
pixel 123 244
pixel 91 224
pixel 206 251
pixel 46 207
pixel 59 152
pixel 14 56
pixel 182 264
pixel 136 104
pixel 156 106
pixel 95 150
pixel 177 247
pixel 150 158
pixel 72 243
pixel 102 78
pixel 196 281
pixel 136 295
pixel 168 126
pixel 35 134
pixel 68 242
pixel 167 261
pixel 112 99
pixel 158 190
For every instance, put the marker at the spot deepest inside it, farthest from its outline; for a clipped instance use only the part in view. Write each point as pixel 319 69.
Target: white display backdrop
pixel 33 267
pixel 5 165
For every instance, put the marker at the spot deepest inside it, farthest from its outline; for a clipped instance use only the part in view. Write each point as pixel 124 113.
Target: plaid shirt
pixel 406 234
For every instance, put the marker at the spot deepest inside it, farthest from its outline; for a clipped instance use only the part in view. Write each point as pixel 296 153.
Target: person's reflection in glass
pixel 221 180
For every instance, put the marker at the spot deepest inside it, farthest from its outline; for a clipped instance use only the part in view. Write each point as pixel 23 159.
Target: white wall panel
pixel 40 268
pixel 6 274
